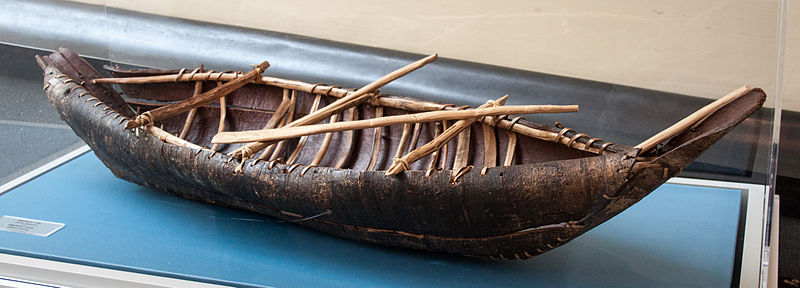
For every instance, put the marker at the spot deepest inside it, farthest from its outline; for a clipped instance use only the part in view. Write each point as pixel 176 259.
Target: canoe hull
pixel 512 212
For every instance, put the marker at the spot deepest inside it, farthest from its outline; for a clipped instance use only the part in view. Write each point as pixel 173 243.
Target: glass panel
pixel 634 67
pixel 32 133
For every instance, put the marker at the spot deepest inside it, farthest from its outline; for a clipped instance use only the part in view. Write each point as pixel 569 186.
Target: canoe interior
pixel 251 106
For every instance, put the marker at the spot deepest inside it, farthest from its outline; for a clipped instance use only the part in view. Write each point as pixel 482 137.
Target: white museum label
pixel 29 226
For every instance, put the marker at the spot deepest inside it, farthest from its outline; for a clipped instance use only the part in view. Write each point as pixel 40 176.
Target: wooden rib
pixel 414 137
pixel 462 150
pixel 287 119
pixel 188 123
pixel 489 148
pixel 401 147
pixel 376 142
pixel 221 128
pixel 325 143
pixel 268 151
pixel 351 100
pixel 277 147
pixel 292 132
pixel 512 145
pixel 198 88
pixel 286 103
pixel 349 142
pixel 444 147
pixel 223 112
pixel 174 109
pixel 302 142
pixel 275 120
pixel 437 129
pixel 690 120
pixel 222 115
pixel 401 164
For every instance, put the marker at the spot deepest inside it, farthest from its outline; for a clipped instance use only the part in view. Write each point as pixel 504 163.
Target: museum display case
pixel 634 68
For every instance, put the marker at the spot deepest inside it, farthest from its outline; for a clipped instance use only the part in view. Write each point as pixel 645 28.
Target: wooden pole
pixel 692 119
pixel 361 94
pixel 298 131
pixel 176 108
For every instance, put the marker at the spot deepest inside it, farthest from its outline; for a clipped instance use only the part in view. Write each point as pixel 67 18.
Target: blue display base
pixel 678 236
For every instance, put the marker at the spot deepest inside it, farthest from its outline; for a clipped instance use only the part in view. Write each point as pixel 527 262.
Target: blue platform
pixel 679 236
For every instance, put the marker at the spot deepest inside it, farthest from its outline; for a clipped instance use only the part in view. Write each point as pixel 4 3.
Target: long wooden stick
pixel 341 104
pixel 169 138
pixel 361 94
pixel 176 108
pixel 293 132
pixel 690 120
pixel 376 141
pixel 401 164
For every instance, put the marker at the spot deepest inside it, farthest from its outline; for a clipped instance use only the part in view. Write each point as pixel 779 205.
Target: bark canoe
pixel 526 195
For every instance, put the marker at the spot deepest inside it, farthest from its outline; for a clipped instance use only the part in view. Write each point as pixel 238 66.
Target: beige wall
pixel 701 48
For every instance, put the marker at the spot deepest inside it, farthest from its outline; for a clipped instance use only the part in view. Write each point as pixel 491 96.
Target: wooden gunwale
pixel 376 99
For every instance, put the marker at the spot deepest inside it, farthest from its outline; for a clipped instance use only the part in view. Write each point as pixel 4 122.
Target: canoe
pixel 498 187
